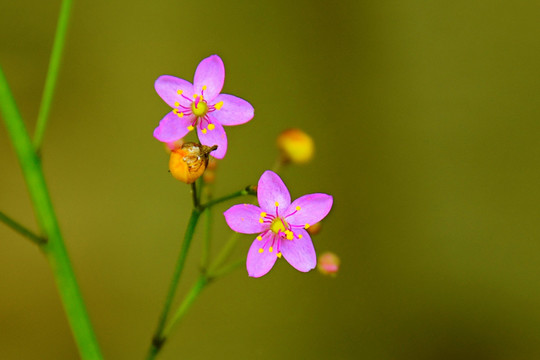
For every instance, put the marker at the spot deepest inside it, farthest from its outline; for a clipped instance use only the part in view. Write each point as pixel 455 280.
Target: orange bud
pixel 296 146
pixel 328 263
pixel 314 229
pixel 188 163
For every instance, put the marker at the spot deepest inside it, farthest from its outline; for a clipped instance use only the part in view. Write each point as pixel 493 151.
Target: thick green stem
pixel 54 250
pixel 52 73
pixel 157 339
pixel 38 240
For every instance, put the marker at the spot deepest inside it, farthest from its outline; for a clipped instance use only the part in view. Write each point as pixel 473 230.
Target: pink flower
pixel 280 224
pixel 200 105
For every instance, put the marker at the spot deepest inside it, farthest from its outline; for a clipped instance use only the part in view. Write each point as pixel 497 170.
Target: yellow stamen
pixel 290 235
pixel 277 204
pixel 218 105
pixel 261 250
pixel 259 237
pixel 195 96
pixel 204 87
pixel 190 128
pixel 175 111
pixel 279 254
pixel 176 104
pixel 306 226
pixel 263 214
pixel 204 131
pixel 298 208
pixel 180 92
pixel 271 249
pixel 211 126
pixel 300 236
pixel 180 114
pixel 261 220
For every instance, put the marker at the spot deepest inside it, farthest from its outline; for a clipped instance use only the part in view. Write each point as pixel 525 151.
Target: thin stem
pixel 52 73
pixel 54 250
pixel 205 256
pixel 36 239
pixel 157 339
pixel 186 304
pixel 195 195
pixel 243 192
pixel 225 252
pixel 227 269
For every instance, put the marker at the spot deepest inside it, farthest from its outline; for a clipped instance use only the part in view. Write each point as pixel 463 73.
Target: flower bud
pixel 314 229
pixel 328 263
pixel 188 163
pixel 296 146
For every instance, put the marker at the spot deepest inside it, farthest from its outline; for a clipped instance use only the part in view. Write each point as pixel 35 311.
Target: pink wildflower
pixel 280 224
pixel 200 105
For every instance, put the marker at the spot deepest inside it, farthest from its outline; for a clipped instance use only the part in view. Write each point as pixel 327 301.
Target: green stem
pixel 52 73
pixel 243 192
pixel 186 304
pixel 54 250
pixel 195 196
pixel 227 269
pixel 157 339
pixel 38 240
pixel 225 252
pixel 205 255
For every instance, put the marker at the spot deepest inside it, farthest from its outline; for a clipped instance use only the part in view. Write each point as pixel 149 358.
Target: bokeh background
pixel 426 121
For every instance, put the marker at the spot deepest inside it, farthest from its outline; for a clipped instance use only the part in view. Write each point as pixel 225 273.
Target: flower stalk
pixel 54 250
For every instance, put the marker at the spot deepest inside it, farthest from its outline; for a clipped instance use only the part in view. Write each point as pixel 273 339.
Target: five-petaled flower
pixel 200 105
pixel 281 225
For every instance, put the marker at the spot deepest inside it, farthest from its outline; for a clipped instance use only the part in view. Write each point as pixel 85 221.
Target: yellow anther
pixel 176 104
pixel 218 105
pixel 190 128
pixel 279 254
pixel 306 226
pixel 300 236
pixel 195 96
pixel 263 214
pixel 180 114
pixel 180 92
pixel 204 87
pixel 277 204
pixel 211 126
pixel 204 131
pixel 270 249
pixel 175 111
pixel 259 237
pixel 290 235
pixel 261 250
pixel 298 208
pixel 261 220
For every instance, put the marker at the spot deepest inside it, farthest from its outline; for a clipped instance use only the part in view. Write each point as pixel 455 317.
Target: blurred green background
pixel 425 117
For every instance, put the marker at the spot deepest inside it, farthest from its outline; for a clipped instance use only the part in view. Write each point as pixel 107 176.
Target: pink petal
pixel 258 264
pixel 299 252
pixel 167 88
pixel 270 190
pixel 235 111
pixel 172 127
pixel 209 73
pixel 244 218
pixel 213 137
pixel 313 208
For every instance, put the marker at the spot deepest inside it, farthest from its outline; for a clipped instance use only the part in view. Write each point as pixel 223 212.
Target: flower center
pixel 279 225
pixel 199 107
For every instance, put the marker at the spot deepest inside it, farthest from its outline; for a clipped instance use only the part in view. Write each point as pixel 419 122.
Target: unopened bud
pixel 328 263
pixel 314 229
pixel 296 146
pixel 188 163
